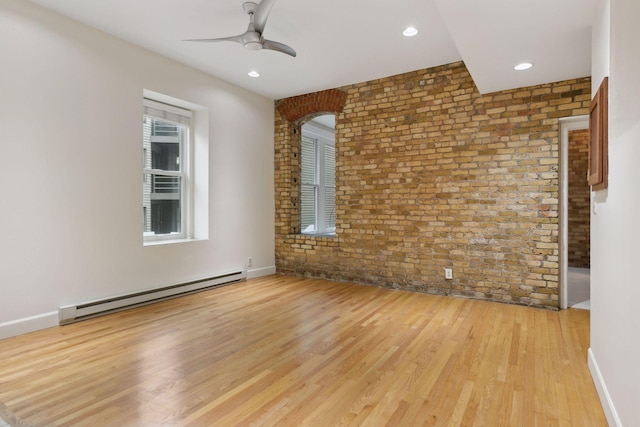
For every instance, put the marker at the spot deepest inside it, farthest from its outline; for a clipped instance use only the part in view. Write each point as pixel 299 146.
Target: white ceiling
pixel 341 42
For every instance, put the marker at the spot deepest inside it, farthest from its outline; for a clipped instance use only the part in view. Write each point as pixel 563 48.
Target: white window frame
pixel 321 138
pixel 183 117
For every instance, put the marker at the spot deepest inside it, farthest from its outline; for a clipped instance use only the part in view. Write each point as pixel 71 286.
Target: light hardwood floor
pixel 284 351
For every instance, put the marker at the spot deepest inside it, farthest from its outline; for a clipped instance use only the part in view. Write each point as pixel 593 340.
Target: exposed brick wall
pixel 430 174
pixel 578 200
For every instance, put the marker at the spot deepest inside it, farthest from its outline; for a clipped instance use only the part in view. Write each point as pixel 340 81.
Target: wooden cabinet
pixel 599 144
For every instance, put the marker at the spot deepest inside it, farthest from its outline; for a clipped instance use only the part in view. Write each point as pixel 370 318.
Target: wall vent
pixel 87 310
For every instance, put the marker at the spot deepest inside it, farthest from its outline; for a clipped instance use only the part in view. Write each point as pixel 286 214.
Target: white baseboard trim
pixel 603 393
pixel 259 272
pixel 28 324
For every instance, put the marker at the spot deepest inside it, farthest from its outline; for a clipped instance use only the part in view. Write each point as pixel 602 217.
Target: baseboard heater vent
pixel 87 310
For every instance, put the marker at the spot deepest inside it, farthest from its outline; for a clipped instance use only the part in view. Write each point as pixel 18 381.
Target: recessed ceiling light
pixel 254 73
pixel 523 66
pixel 410 31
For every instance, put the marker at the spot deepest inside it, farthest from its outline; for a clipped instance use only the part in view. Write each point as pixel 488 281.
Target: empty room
pixel 284 213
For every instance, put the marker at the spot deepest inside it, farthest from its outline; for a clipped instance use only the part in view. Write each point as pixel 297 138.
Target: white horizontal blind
pixel 330 187
pixel 308 185
pixel 166 112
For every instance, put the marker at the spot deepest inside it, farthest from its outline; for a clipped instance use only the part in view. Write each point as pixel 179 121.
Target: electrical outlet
pixel 448 273
pixel 249 262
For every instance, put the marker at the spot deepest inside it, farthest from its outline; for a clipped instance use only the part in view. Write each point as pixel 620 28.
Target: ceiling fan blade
pixel 237 39
pixel 278 47
pixel 261 14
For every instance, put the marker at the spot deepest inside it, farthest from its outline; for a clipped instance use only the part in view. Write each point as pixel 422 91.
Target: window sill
pixel 170 241
pixel 330 235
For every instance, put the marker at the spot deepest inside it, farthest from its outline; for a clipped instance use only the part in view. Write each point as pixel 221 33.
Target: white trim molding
pixel 605 399
pixel 26 325
pixel 566 125
pixel 259 272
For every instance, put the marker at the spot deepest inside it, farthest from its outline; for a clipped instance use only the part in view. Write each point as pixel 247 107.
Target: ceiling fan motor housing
pixel 249 6
pixel 253 45
pixel 252 40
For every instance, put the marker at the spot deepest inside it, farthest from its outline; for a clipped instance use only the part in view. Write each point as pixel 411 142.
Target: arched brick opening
pixel 301 108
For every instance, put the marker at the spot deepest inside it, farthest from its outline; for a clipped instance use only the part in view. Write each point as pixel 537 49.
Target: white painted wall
pixel 70 173
pixel 615 227
pixel 600 41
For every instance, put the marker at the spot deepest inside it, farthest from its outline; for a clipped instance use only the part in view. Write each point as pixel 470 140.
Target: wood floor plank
pixel 286 351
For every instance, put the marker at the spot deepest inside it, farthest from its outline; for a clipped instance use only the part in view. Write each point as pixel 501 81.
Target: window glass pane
pixel 165 156
pixel 165 216
pixel 163 139
pixel 165 184
pixel 162 201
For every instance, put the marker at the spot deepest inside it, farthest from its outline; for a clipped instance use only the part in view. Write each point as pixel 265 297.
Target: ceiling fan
pixel 252 38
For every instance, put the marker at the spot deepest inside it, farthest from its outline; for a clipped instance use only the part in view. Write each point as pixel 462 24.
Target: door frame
pixel 567 124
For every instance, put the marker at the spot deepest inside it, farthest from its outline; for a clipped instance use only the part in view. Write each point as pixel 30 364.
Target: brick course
pixel 430 174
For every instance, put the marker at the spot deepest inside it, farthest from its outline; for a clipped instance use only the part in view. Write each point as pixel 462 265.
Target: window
pixel 166 173
pixel 318 182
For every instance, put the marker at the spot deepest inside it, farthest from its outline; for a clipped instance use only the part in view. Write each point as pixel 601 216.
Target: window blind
pixel 308 187
pixel 330 186
pixel 169 113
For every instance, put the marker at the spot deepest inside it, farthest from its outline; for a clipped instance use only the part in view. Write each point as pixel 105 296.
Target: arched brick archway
pixel 299 108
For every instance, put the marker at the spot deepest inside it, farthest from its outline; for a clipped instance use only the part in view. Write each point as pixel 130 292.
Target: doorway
pixel 575 204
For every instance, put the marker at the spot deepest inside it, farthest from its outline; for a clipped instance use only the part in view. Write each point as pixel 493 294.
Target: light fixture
pixel 523 66
pixel 410 31
pixel 253 73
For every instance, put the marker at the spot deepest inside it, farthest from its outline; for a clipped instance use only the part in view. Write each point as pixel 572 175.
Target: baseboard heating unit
pixel 87 310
